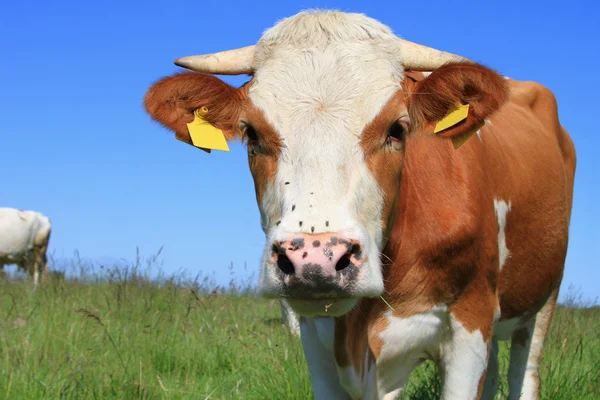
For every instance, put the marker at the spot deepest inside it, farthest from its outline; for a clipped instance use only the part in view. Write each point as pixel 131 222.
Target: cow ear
pixel 455 100
pixel 205 100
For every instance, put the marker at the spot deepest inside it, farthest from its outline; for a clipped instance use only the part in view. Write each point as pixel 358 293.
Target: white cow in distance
pixel 24 237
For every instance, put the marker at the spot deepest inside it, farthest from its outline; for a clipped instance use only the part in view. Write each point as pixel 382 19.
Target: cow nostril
pixel 284 264
pixel 343 262
pixel 356 250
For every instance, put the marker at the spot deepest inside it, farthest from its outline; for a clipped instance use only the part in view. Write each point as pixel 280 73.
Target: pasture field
pixel 125 337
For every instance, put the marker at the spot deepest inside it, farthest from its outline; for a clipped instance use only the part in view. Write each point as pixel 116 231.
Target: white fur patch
pixel 465 360
pixel 501 209
pixel 523 363
pixel 19 231
pixel 431 335
pixel 479 132
pixel 289 317
pixel 330 381
pixel 406 343
pixel 317 335
pixel 355 385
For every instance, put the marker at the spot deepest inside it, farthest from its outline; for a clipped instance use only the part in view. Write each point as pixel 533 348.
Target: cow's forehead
pixel 325 72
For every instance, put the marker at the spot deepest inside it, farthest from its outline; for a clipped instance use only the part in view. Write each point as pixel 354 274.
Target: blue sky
pixel 78 146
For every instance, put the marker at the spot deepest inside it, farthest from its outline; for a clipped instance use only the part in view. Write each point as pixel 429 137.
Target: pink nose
pixel 310 257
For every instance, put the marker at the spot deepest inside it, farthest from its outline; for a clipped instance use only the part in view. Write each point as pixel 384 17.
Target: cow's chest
pixel 401 345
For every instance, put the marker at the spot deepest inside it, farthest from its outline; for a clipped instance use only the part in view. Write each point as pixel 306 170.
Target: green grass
pixel 127 338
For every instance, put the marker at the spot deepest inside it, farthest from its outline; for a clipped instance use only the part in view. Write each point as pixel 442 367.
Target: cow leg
pixel 526 353
pixel 30 268
pixel 43 267
pixel 405 343
pixel 40 260
pixel 40 264
pixel 36 275
pixel 317 335
pixel 490 385
pixel 28 264
pixel 464 360
pixel 289 318
pixel 392 379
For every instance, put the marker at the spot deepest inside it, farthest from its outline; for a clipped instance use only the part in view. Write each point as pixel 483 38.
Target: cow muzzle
pixel 317 268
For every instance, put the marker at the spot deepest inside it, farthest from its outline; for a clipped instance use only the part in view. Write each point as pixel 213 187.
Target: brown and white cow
pixel 24 237
pixel 359 198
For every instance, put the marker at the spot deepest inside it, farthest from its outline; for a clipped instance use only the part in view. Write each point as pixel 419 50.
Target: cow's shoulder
pixel 538 101
pixel 542 105
pixel 530 93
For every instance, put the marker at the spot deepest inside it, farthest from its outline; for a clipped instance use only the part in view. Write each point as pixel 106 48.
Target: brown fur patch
pixel 384 161
pixel 543 161
pixel 483 89
pixel 173 99
pixel 267 150
pixel 351 340
pixel 376 327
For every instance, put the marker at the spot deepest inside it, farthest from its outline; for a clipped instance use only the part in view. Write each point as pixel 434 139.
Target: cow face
pixel 326 118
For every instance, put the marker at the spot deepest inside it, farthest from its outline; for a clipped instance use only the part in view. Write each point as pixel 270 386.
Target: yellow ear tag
pixel 204 135
pixel 452 118
pixel 460 140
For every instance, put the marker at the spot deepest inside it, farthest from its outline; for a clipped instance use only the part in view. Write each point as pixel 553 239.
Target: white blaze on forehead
pixel 320 79
pixel 502 208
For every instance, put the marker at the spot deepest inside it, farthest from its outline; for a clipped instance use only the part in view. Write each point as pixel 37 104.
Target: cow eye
pixel 251 137
pixel 397 132
pixel 250 133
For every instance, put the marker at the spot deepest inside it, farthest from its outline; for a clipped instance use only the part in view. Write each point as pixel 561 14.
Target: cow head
pixel 326 117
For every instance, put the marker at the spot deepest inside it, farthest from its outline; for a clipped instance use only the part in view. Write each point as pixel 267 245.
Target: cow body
pixel 24 238
pixel 476 255
pixel 361 198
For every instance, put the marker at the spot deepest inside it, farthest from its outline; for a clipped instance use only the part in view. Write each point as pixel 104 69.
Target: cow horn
pixel 422 58
pixel 229 62
pixel 239 61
